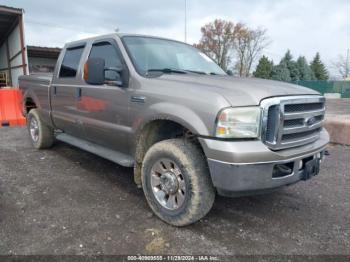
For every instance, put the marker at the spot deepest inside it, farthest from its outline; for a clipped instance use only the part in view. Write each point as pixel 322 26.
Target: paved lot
pixel 66 201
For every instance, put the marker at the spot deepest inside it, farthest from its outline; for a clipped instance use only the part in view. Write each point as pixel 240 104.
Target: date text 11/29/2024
pixel 172 258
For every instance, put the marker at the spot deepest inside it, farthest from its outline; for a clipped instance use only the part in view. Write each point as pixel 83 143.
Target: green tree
pixel 319 69
pixel 281 72
pixel 292 66
pixel 264 68
pixel 305 71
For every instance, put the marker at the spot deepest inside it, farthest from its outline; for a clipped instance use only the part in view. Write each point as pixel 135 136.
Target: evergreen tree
pixel 305 71
pixel 281 72
pixel 264 68
pixel 319 68
pixel 292 66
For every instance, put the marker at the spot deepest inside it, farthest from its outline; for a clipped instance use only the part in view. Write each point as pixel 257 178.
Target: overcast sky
pixel 303 26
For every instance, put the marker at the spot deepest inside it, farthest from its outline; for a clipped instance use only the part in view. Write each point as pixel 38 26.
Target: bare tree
pixel 343 65
pixel 241 48
pixel 218 40
pixel 249 45
pixel 259 41
pixel 223 41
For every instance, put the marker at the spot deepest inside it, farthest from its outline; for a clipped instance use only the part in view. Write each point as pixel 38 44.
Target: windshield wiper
pixel 177 71
pixel 201 72
pixel 166 71
pixel 196 72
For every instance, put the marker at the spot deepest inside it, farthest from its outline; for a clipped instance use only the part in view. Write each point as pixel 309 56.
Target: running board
pixel 116 157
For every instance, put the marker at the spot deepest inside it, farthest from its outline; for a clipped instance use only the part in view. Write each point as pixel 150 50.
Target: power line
pixel 56 26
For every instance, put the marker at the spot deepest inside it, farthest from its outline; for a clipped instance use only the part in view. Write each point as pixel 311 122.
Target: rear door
pixel 64 92
pixel 105 107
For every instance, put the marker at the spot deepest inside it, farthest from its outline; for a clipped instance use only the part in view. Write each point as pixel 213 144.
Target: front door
pixel 104 108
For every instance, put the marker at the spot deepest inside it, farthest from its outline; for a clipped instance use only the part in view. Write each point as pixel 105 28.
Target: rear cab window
pixel 70 62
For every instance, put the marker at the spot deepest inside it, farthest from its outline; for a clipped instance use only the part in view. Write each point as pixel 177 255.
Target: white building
pixel 13 55
pixel 16 58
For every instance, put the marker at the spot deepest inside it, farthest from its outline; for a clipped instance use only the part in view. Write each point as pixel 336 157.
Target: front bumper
pixel 247 167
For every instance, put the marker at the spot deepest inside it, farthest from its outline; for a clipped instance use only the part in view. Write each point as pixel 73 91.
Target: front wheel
pixel 176 182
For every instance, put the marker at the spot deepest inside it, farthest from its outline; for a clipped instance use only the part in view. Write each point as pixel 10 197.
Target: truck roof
pixel 77 42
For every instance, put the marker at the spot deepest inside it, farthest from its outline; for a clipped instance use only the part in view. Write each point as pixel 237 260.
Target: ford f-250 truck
pixel 189 129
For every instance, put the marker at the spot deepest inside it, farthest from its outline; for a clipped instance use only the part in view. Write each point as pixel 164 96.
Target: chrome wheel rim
pixel 168 184
pixel 34 129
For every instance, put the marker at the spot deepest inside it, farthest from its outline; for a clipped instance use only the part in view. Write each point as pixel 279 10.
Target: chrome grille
pixel 303 107
pixel 292 121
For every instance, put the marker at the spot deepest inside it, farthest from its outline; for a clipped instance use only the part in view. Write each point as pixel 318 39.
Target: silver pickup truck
pixel 189 130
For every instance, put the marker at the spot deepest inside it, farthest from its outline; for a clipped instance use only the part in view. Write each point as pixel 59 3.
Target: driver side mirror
pixel 229 72
pixel 95 73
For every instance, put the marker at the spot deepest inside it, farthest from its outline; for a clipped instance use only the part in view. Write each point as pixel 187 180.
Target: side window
pixel 70 62
pixel 109 53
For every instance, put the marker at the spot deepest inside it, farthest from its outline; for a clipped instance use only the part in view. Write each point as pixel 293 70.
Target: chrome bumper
pixel 249 167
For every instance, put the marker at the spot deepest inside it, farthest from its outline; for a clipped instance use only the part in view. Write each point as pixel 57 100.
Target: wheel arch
pixel 156 130
pixel 30 101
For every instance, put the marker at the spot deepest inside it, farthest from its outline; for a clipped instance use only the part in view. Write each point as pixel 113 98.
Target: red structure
pixel 11 108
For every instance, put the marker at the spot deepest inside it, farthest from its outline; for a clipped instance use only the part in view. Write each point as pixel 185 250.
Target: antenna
pixel 185 21
pixel 348 63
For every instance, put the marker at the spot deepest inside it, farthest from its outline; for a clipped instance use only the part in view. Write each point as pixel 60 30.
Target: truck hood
pixel 237 91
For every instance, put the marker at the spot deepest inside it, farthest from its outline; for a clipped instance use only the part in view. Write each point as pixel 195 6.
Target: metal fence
pixel 340 87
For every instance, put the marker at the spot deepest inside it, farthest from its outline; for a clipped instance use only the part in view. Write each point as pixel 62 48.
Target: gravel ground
pixel 338 107
pixel 66 201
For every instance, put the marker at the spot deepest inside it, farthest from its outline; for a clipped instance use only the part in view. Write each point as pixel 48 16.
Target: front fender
pixel 176 113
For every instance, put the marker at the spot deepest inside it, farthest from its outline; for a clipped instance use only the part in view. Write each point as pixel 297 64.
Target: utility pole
pixel 185 21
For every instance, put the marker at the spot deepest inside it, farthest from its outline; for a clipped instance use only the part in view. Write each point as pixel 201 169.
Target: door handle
pixel 78 93
pixel 138 99
pixel 54 90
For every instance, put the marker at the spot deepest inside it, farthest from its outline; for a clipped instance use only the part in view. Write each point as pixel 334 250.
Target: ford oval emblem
pixel 311 121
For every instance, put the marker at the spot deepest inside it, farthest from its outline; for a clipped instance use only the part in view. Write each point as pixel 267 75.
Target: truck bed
pixel 34 81
pixel 35 89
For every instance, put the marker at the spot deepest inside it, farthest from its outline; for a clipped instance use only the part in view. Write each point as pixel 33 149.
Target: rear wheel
pixel 176 182
pixel 41 135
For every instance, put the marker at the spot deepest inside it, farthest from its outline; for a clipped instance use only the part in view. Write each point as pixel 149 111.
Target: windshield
pixel 153 54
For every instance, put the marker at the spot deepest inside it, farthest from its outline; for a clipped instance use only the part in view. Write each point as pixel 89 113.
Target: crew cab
pixel 188 129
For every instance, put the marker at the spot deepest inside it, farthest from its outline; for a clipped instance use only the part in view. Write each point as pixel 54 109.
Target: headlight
pixel 241 122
